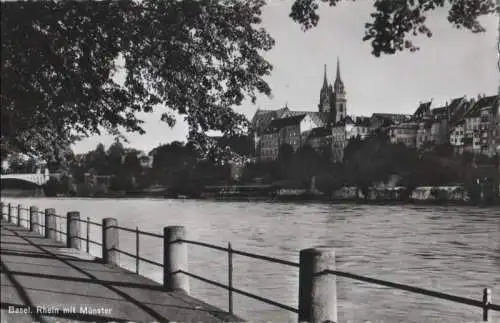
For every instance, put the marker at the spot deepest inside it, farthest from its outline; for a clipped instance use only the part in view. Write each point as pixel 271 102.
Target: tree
pixel 325 152
pixel 306 163
pixel 197 58
pixel 239 144
pixel 285 153
pixel 115 156
pixel 353 145
pixel 395 21
pixel 17 164
pixel 172 158
pixel 98 160
pixel 132 162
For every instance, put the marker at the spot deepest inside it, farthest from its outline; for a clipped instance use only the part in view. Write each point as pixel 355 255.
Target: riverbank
pixel 429 195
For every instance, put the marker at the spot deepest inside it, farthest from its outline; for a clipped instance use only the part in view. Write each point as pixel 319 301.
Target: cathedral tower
pixel 325 95
pixel 340 102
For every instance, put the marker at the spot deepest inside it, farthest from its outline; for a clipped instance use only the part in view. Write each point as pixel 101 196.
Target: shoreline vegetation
pixel 425 195
pixel 374 171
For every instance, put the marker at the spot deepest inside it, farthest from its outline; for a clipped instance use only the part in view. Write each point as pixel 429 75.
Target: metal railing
pixel 137 256
pixel 87 239
pixel 229 287
pixel 485 304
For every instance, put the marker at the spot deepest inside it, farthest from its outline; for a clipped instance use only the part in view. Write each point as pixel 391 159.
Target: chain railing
pixel 485 304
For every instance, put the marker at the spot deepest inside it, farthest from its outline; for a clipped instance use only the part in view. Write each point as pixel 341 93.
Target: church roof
pixel 320 118
pixel 298 113
pixel 282 111
pixel 288 121
pixel 263 118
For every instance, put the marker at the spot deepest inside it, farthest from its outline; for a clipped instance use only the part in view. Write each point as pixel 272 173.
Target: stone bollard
pixel 73 230
pixel 19 209
pixel 110 254
pixel 40 220
pixel 3 214
pixel 50 224
pixel 9 214
pixel 317 290
pixel 486 303
pixel 175 259
pixel 34 219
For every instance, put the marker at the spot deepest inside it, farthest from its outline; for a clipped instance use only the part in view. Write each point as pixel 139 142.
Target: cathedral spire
pixel 339 85
pixel 325 80
pixel 338 70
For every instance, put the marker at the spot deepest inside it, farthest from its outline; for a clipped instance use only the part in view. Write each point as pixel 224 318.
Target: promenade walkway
pixel 43 281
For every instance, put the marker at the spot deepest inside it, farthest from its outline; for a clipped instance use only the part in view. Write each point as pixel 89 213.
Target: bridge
pixel 38 178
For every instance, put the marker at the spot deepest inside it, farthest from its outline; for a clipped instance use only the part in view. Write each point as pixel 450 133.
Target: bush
pixel 55 186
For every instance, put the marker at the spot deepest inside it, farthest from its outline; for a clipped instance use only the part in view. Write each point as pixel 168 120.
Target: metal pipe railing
pixel 230 276
pixel 485 304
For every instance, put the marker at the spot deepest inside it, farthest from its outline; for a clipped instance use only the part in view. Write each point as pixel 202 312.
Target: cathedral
pixel 270 129
pixel 332 99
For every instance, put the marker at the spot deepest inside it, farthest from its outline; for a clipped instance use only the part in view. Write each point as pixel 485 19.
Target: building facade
pixel 466 124
pixel 340 137
pixel 270 129
pixel 488 110
pixel 404 133
pixel 457 137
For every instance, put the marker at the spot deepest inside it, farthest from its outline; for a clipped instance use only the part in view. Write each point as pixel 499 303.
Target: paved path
pixel 56 284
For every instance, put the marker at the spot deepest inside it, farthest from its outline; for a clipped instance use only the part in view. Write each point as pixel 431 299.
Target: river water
pixel 454 250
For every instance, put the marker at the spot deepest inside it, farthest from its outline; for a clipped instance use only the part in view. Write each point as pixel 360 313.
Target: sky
pixel 451 64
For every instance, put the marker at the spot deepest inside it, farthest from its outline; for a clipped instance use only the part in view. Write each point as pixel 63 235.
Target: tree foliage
pixel 395 22
pixel 197 58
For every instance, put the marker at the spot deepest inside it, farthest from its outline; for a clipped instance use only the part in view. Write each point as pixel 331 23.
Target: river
pixel 454 250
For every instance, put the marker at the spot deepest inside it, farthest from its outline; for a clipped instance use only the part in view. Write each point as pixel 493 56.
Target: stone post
pixel 317 289
pixel 486 303
pixel 110 254
pixel 34 219
pixel 50 224
pixel 9 214
pixel 40 220
pixel 19 210
pixel 175 259
pixel 73 230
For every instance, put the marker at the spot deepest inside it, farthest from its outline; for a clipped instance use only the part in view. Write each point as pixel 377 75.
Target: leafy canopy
pixel 395 21
pixel 196 58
